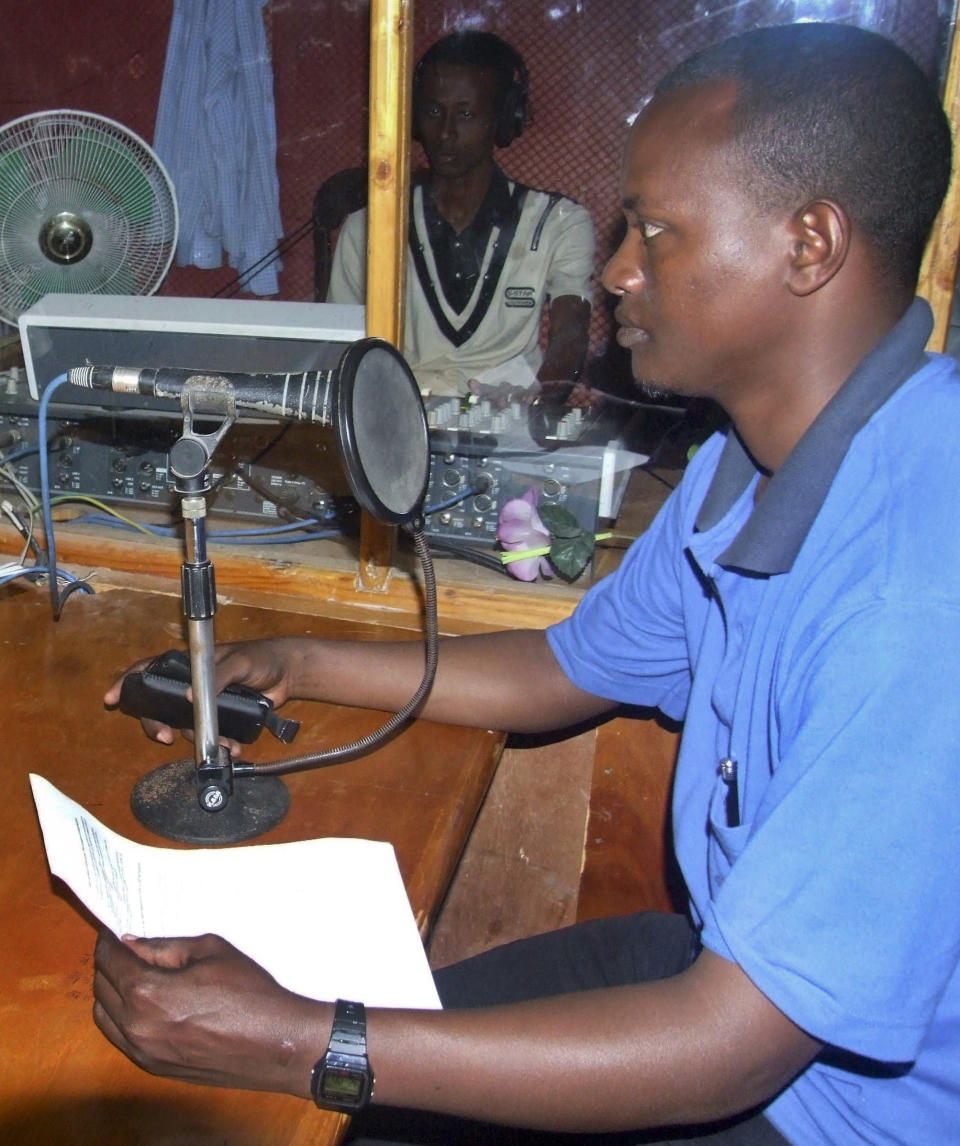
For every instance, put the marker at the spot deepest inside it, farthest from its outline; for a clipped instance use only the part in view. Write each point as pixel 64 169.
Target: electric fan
pixel 86 207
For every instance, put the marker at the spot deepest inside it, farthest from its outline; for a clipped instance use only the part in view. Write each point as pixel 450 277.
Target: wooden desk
pixel 62 1084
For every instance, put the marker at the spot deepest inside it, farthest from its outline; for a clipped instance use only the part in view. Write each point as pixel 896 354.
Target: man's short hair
pixel 489 53
pixel 836 112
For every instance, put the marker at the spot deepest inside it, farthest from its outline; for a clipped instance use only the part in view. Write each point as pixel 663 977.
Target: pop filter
pixel 382 431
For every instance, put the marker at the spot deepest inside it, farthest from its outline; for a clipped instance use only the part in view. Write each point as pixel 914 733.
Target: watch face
pixel 339 1085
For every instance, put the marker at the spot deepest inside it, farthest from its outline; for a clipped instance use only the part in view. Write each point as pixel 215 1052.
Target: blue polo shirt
pixel 811 645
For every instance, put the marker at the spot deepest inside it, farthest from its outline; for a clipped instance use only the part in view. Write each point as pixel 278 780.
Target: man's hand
pixel 499 394
pixel 265 665
pixel 200 1011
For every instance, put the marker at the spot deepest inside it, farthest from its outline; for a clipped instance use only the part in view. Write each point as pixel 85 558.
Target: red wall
pixel 591 62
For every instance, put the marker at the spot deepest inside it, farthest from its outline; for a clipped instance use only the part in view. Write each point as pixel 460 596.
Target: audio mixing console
pixel 482 455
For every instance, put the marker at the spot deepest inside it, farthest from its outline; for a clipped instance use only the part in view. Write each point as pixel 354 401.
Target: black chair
pixel 338 196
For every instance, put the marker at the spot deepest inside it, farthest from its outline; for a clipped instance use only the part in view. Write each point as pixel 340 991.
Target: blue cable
pixel 35 570
pixel 56 601
pixel 260 530
pixel 18 454
pixel 266 536
pixel 290 539
pixel 119 523
pixel 455 500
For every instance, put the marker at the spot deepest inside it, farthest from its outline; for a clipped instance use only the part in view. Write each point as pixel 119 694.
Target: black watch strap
pixel 343 1080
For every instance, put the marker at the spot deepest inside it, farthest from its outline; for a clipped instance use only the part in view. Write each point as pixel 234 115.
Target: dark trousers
pixel 602 953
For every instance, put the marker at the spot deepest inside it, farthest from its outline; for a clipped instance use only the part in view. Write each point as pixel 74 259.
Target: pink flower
pixel 518 528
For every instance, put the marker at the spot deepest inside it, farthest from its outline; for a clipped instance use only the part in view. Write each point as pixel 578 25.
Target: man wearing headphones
pixel 485 253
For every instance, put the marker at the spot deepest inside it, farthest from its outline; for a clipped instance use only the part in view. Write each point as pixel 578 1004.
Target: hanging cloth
pixel 216 134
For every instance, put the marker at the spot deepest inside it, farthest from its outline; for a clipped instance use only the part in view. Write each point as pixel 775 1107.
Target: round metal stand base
pixel 165 801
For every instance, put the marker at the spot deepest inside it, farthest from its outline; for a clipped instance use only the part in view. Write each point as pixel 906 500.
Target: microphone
pixel 370 399
pixel 304 397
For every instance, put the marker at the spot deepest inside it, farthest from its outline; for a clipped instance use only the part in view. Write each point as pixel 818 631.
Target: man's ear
pixel 821 240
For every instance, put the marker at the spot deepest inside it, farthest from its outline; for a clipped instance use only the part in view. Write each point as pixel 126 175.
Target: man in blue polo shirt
pixel 796 603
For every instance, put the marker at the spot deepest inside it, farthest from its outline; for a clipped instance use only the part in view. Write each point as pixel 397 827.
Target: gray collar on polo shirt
pixel 772 536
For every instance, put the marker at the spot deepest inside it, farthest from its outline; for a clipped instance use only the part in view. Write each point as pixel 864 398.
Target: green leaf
pixel 570 555
pixel 560 522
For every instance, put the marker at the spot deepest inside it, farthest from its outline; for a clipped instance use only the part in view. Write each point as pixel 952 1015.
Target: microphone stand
pixel 370 388
pixel 195 801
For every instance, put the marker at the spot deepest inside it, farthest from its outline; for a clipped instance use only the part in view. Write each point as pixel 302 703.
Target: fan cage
pixel 80 174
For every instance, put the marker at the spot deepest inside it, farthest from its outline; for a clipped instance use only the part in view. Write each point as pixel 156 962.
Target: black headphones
pixel 485 51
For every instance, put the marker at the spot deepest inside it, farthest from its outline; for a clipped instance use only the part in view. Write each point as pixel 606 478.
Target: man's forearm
pixel 508 680
pixel 698 1047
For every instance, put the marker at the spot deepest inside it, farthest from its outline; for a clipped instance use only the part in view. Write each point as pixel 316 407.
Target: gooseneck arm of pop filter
pixel 373 402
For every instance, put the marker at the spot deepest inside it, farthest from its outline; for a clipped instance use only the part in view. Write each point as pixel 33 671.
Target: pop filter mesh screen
pixel 389 431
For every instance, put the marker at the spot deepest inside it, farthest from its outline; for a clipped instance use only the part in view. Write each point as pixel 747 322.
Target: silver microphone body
pixel 303 397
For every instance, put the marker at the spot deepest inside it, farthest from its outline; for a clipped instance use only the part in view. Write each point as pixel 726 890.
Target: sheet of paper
pixel 327 918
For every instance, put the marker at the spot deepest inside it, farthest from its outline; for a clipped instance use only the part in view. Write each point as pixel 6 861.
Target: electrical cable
pixel 284 245
pixel 645 468
pixel 117 521
pixel 290 533
pixel 37 571
pixel 30 504
pixel 56 599
pixel 26 494
pixel 477 556
pixel 25 452
pixel 455 500
pixel 25 531
pixel 256 531
pixel 400 718
pixel 289 539
pixel 457 548
pixel 101 505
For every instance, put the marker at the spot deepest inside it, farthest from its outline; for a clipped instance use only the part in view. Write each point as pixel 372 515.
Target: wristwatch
pixel 343 1080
